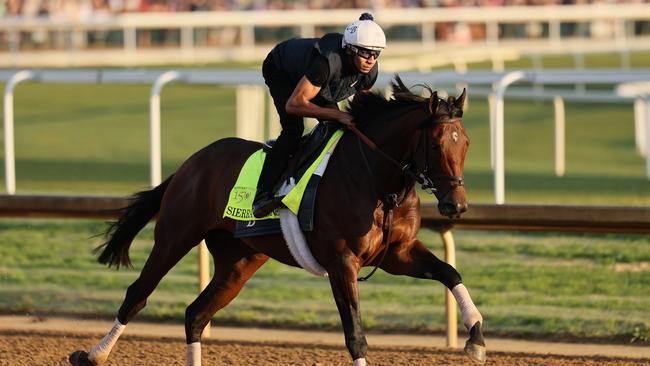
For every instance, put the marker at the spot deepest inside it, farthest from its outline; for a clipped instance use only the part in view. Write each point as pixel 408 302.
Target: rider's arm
pixel 300 104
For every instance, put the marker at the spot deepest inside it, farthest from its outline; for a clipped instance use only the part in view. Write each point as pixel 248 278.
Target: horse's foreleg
pixel 234 264
pixel 343 280
pixel 415 260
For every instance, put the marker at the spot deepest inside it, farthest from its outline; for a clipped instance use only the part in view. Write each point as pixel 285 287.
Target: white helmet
pixel 364 33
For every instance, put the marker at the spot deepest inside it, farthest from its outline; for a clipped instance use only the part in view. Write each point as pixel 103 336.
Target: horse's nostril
pixel 452 208
pixel 449 208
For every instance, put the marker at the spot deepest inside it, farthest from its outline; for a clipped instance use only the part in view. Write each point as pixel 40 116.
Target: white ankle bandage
pixel 99 353
pixel 194 354
pixel 471 315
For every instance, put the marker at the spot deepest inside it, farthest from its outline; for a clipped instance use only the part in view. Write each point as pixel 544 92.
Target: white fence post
pixel 560 155
pixel 250 112
pixel 641 91
pixel 499 161
pixel 187 43
pixel 492 110
pixel 639 126
pixel 579 64
pixel 204 276
pixel 450 302
pixel 428 34
pixel 154 133
pixel 10 159
pixel 647 135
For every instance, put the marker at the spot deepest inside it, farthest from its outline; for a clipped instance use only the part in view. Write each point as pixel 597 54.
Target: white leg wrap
pixel 99 353
pixel 194 354
pixel 471 315
pixel 359 362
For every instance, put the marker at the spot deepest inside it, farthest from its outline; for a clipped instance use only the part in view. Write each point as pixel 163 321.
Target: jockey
pixel 307 77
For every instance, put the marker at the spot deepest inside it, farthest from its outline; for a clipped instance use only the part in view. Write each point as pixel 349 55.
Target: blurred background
pixel 575 134
pixel 142 32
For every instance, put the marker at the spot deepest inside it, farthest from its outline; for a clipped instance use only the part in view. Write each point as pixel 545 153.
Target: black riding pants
pixel 281 88
pixel 287 143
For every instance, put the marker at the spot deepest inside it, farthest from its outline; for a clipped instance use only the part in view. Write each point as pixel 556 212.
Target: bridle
pixel 427 174
pixel 423 177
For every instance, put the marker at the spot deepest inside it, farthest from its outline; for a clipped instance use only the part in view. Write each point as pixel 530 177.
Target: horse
pixel 412 139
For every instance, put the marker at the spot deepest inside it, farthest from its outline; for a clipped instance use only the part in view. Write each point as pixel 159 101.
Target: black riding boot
pixel 274 165
pixel 265 202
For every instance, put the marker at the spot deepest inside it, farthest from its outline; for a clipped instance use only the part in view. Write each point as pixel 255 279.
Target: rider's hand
pixel 346 119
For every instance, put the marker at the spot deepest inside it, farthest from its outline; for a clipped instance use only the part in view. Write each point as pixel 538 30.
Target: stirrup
pixel 264 205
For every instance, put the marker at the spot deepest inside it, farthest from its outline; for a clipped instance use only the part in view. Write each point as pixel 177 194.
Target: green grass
pixel 535 285
pixel 93 139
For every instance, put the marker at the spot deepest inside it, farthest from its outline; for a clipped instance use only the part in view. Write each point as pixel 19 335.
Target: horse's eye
pixel 435 146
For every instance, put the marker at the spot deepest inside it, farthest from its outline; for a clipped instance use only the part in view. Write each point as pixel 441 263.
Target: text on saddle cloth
pixel 240 200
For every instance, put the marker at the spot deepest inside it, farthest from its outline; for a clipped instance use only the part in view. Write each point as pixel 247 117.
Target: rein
pixel 419 177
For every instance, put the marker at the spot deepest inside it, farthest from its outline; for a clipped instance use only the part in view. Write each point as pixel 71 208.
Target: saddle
pixel 310 146
pixel 302 188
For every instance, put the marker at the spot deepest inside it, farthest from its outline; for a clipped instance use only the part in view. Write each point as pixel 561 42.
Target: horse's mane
pixel 366 107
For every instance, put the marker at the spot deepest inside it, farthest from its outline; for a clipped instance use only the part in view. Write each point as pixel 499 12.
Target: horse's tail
pixel 120 234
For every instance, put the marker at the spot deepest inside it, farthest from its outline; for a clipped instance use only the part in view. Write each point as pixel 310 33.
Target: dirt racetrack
pixel 18 348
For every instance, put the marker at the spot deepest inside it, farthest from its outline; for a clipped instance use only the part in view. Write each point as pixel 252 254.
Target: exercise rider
pixel 307 77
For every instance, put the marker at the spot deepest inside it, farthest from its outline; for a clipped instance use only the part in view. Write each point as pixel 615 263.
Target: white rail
pixel 250 117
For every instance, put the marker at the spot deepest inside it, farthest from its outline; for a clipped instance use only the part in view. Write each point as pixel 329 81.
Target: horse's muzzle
pixel 452 209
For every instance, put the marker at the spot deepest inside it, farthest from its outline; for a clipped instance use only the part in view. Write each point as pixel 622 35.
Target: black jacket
pixel 295 56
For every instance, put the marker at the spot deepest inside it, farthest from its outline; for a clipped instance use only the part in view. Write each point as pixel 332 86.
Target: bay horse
pixel 417 139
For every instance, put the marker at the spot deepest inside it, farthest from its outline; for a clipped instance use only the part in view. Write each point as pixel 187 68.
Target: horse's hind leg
pixel 415 260
pixel 169 247
pixel 234 264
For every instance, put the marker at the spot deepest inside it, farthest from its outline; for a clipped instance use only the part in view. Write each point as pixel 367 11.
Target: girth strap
pixel 389 203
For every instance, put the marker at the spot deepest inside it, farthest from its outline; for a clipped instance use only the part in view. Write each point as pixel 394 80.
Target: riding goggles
pixel 365 52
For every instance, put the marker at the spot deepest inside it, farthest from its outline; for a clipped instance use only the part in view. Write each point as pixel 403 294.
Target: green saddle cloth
pixel 240 201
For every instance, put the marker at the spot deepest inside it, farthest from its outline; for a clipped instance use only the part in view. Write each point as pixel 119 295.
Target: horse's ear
pixel 460 101
pixel 398 85
pixel 433 102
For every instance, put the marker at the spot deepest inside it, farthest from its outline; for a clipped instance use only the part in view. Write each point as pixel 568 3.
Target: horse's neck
pixel 394 132
pixel 398 143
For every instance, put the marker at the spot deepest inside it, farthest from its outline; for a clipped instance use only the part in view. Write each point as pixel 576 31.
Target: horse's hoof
pixel 80 358
pixel 475 352
pixel 475 345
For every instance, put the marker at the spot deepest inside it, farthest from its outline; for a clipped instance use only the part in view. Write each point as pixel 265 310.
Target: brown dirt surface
pixel 18 348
